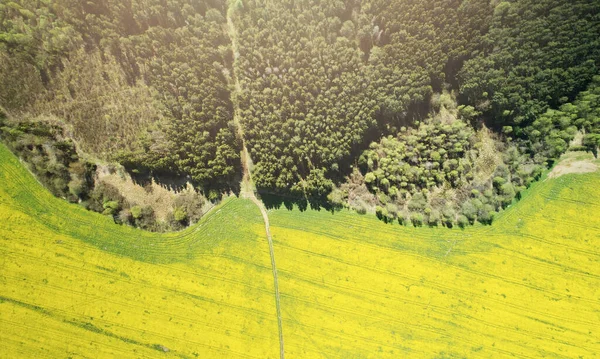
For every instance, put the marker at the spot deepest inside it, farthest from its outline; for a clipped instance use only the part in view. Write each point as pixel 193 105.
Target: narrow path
pixel 274 267
pixel 247 188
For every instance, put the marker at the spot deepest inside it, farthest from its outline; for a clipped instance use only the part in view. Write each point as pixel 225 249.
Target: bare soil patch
pixel 572 166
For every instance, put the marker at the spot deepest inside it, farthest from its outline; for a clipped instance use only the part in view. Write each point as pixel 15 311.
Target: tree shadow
pixel 177 183
pixel 290 202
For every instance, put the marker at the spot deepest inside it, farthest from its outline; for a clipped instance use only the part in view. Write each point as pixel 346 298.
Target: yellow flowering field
pixel 526 287
pixel 74 285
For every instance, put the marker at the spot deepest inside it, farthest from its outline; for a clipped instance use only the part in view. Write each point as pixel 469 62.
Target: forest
pixel 436 113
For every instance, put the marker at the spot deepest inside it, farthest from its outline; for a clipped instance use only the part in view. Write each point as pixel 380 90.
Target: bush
pixel 433 218
pixel 578 149
pixel 77 187
pixel 136 212
pixel 417 219
pixel 180 215
pixel 392 211
pixel 462 221
pixel 191 202
pixel 337 197
pixel 469 211
pixel 125 216
pixel 402 218
pixel 486 214
pixel 104 192
pixel 213 195
pixel 499 181
pixel 508 194
pixel 417 203
pixel 147 219
pixel 383 198
pixel 111 207
pixel 448 216
pixel 379 212
pixel 361 209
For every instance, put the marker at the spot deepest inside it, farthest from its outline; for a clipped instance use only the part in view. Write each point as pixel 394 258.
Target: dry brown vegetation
pixel 574 163
pixel 488 159
pixel 106 113
pixel 159 198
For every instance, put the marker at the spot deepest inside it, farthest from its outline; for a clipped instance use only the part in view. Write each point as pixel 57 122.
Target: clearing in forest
pixel 574 162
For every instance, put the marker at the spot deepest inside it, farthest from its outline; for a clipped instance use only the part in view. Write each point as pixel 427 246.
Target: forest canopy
pixel 425 112
pixel 141 82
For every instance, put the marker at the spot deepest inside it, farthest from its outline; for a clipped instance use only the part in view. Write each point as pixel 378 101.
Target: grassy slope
pixel 527 287
pixel 72 284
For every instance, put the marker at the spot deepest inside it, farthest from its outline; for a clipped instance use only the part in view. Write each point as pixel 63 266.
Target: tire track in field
pixel 421 327
pixel 247 188
pixel 44 208
pixel 138 283
pixel 352 291
pixel 59 336
pixel 441 286
pixel 263 211
pixel 453 265
pixel 376 297
pixel 177 245
pixel 63 315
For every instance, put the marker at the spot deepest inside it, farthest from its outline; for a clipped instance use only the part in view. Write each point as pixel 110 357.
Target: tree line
pixel 438 112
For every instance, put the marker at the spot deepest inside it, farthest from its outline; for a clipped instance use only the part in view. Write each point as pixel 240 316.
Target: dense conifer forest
pixel 423 112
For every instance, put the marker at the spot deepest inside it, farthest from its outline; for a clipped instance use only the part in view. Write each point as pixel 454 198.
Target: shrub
pixel 180 215
pixel 383 198
pixel 402 218
pixel 392 211
pixel 486 214
pixel 417 219
pixel 136 212
pixel 192 203
pixel 125 216
pixel 499 181
pixel 469 210
pixel 147 219
pixel 104 192
pixel 448 216
pixel 111 207
pixel 508 193
pixel 462 221
pixel 417 203
pixel 433 218
pixel 361 209
pixel 77 187
pixel 379 212
pixel 578 149
pixel 336 197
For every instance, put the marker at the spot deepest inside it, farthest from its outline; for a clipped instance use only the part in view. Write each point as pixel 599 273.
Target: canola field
pixel 526 287
pixel 74 285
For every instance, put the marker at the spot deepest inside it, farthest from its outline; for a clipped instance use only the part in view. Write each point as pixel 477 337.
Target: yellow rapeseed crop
pixel 526 287
pixel 73 284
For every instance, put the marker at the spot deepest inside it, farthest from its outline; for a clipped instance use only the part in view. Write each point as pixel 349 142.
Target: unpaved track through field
pixel 247 188
pixel 263 210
